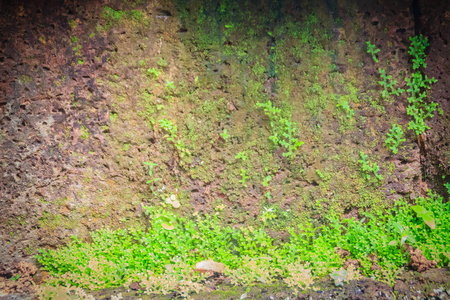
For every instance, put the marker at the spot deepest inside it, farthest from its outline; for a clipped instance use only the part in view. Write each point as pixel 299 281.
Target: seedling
pixel 394 138
pixel 150 171
pixel 426 215
pixel 153 73
pixel 225 135
pixel 267 180
pixel 170 128
pixel 243 177
pixel 417 50
pixel 283 130
pixel 242 156
pixel 372 51
pixel 345 107
pixel 418 108
pixel 387 84
pixel 405 235
pixel 369 167
pixel 170 87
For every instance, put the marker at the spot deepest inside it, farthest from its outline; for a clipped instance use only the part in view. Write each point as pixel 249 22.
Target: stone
pixel 209 266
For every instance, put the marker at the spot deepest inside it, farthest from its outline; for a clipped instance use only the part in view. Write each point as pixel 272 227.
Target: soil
pixel 79 116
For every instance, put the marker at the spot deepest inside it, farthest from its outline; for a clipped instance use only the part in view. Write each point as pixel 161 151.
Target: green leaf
pixel 15 278
pixel 418 209
pixel 428 218
pixel 393 243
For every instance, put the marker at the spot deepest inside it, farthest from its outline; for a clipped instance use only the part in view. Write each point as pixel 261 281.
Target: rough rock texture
pixel 23 276
pixel 418 261
pixel 63 167
pixel 42 151
pixel 434 22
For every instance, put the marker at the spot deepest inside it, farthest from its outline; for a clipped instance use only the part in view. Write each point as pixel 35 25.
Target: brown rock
pixel 350 262
pixel 209 266
pixel 135 286
pixel 342 253
pixel 41 277
pixel 400 287
pixel 418 260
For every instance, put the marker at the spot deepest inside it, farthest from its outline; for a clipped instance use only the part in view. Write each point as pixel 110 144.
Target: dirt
pixel 408 285
pixel 78 119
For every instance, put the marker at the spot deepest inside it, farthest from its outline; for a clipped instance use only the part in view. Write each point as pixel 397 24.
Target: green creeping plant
pixel 387 83
pixel 394 138
pixel 371 50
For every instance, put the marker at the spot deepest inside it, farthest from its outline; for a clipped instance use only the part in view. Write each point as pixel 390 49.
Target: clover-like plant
pixel 371 50
pixel 394 138
pixel 426 215
pixel 387 83
pixel 369 167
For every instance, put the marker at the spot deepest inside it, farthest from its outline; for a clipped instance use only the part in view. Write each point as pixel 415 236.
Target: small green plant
pixel 169 127
pixel 112 16
pixel 170 87
pixel 113 116
pixel 284 131
pixel 447 185
pixel 162 62
pixel 241 155
pixel 117 258
pixel 150 172
pixel 84 133
pixel 225 135
pixel 372 51
pixel 15 278
pixel 153 73
pixel 394 138
pixel 405 235
pixel 387 84
pixel 426 215
pixel 417 50
pixel 345 107
pixel 243 178
pixel 368 167
pixel 267 215
pixel 266 180
pixel 418 108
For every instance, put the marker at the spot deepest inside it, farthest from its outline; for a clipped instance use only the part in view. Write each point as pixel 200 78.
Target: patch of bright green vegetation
pixel 225 135
pixel 170 128
pixel 418 107
pixel 113 116
pixel 394 138
pixel 115 258
pixel 153 73
pixel 84 133
pixel 162 62
pixel 112 16
pixel 387 83
pixel 418 84
pixel 284 131
pixel 369 167
pixel 170 87
pixel 417 50
pixel 345 107
pixel 372 51
pixel 244 177
pixel 26 79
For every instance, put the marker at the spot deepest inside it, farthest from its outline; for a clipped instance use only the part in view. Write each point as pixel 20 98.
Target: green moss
pixel 26 79
pixel 85 134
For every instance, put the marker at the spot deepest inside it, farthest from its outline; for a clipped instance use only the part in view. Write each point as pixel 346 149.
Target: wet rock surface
pixel 55 111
